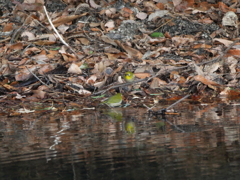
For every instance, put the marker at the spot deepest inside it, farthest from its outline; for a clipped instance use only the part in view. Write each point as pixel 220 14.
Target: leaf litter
pixel 73 52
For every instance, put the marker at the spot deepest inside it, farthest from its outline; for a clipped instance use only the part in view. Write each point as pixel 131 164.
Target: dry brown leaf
pixel 205 21
pixel 223 41
pixel 39 94
pixel 106 39
pixel 203 46
pixel 224 8
pixel 131 52
pixel 65 19
pixel 142 75
pixel 8 87
pixel 28 6
pixel 230 92
pixel 17 46
pixel 8 27
pixel 84 41
pixel 160 6
pixel 156 83
pixel 42 43
pixel 205 81
pixel 234 52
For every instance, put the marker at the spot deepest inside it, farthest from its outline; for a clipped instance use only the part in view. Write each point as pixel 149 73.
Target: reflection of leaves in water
pixel 160 124
pixel 130 127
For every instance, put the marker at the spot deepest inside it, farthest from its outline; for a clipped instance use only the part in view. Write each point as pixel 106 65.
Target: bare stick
pixel 185 97
pixel 55 30
pixel 202 63
pixel 36 77
pixel 120 85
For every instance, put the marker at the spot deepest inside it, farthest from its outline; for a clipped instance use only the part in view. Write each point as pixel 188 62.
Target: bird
pixel 130 127
pixel 114 100
pixel 129 76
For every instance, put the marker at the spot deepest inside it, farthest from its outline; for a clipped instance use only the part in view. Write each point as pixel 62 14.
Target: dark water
pixel 123 143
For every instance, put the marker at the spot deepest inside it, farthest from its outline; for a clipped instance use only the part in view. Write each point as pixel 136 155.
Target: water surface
pixel 201 142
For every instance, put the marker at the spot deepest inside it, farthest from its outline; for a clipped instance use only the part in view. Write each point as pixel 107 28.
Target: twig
pixel 202 63
pixel 221 54
pixel 161 26
pixel 163 111
pixel 177 68
pixel 55 30
pixel 185 97
pixel 36 77
pixel 120 85
pixel 174 125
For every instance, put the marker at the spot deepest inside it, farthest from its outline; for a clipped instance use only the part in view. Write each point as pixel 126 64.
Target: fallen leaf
pixel 109 25
pixel 141 15
pixel 74 69
pixel 131 52
pixel 142 75
pixel 205 81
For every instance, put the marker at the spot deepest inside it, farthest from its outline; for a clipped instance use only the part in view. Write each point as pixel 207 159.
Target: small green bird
pixel 129 76
pixel 130 127
pixel 114 101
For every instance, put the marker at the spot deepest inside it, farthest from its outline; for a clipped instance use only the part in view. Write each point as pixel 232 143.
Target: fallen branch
pixel 120 85
pixel 37 77
pixel 55 30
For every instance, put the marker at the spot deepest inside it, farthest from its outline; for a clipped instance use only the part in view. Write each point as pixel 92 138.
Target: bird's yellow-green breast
pixel 114 101
pixel 129 76
pixel 130 127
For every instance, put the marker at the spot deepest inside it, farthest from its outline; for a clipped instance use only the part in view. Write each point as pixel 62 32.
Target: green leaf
pixel 84 66
pixel 55 49
pixel 157 34
pixel 96 97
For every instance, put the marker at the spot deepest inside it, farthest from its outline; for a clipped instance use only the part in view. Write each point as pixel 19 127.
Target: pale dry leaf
pixel 176 2
pixel 74 68
pixel 46 68
pixel 40 58
pixel 101 83
pixel 109 25
pixel 223 41
pixel 63 28
pixel 232 63
pixel 23 74
pixel 29 35
pixel 158 13
pixel 92 79
pixel 141 15
pixel 110 11
pixel 24 110
pixel 177 40
pixel 93 4
pixel 84 92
